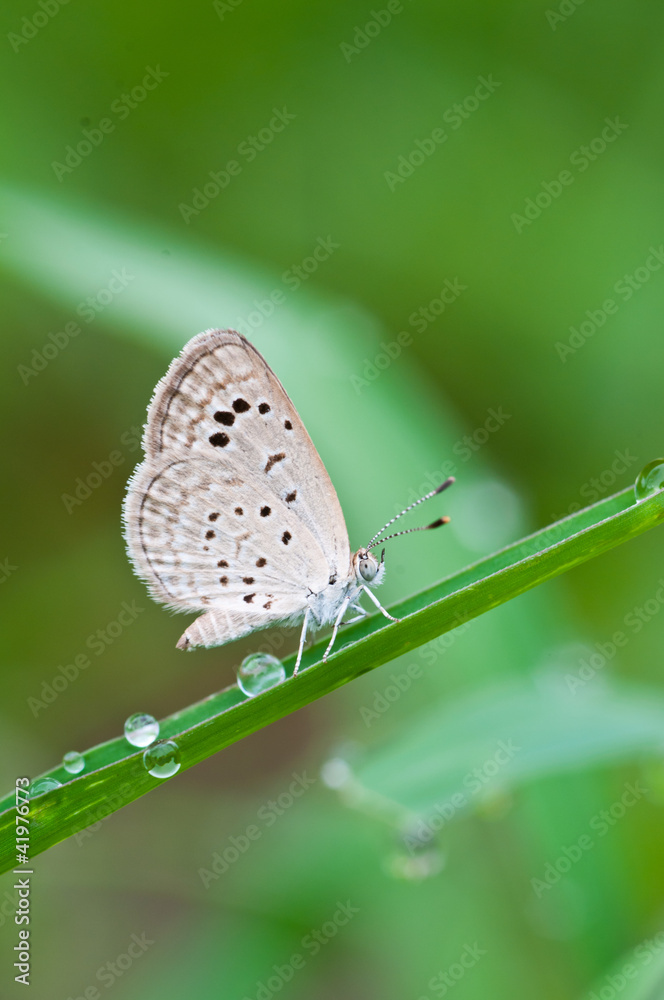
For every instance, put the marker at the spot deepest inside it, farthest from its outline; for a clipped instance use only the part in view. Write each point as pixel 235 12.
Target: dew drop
pixel 336 772
pixel 418 856
pixel 259 672
pixel 163 759
pixel 42 785
pixel 415 867
pixel 73 762
pixel 141 729
pixel 650 479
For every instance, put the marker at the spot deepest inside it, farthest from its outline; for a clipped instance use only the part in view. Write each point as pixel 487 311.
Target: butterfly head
pixel 367 568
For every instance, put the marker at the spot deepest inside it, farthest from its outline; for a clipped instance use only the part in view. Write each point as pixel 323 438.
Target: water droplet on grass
pixel 42 785
pixel 259 672
pixel 141 729
pixel 163 759
pixel 650 479
pixel 73 762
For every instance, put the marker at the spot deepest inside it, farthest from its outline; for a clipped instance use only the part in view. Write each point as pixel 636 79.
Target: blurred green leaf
pixel 499 738
pixel 637 975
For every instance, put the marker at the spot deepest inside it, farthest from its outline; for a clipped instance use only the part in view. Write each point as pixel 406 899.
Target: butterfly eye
pixel 368 569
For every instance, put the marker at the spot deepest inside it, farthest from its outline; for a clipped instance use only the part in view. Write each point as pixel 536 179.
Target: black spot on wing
pixel 219 440
pixel 225 417
pixel 273 459
pixel 263 407
pixel 286 537
pixel 241 405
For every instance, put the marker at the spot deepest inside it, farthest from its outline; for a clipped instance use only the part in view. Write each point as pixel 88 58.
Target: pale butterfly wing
pixel 209 537
pixel 232 510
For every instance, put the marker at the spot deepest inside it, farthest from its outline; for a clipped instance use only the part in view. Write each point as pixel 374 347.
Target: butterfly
pixel 232 511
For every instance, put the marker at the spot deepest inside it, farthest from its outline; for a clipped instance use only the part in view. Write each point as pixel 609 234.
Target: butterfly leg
pixel 303 636
pixel 379 605
pixel 342 612
pixel 362 614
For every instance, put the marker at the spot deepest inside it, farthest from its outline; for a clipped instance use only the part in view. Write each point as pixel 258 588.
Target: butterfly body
pixel 232 512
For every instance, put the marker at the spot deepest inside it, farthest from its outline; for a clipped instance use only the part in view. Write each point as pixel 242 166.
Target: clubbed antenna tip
pixel 376 540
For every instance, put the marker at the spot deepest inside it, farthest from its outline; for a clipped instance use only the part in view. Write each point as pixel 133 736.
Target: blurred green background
pixel 479 180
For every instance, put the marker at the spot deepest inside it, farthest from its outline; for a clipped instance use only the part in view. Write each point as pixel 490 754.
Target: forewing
pixel 220 400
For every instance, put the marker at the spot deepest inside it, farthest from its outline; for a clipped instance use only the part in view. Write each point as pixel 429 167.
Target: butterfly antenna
pixel 376 540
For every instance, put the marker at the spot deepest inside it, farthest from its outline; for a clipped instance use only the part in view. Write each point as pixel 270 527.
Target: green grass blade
pixel 115 776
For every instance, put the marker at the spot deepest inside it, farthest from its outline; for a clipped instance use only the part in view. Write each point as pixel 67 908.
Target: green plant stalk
pixel 115 774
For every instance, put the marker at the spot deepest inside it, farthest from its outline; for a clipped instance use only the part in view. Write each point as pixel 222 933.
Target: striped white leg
pixel 379 605
pixel 342 612
pixel 303 636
